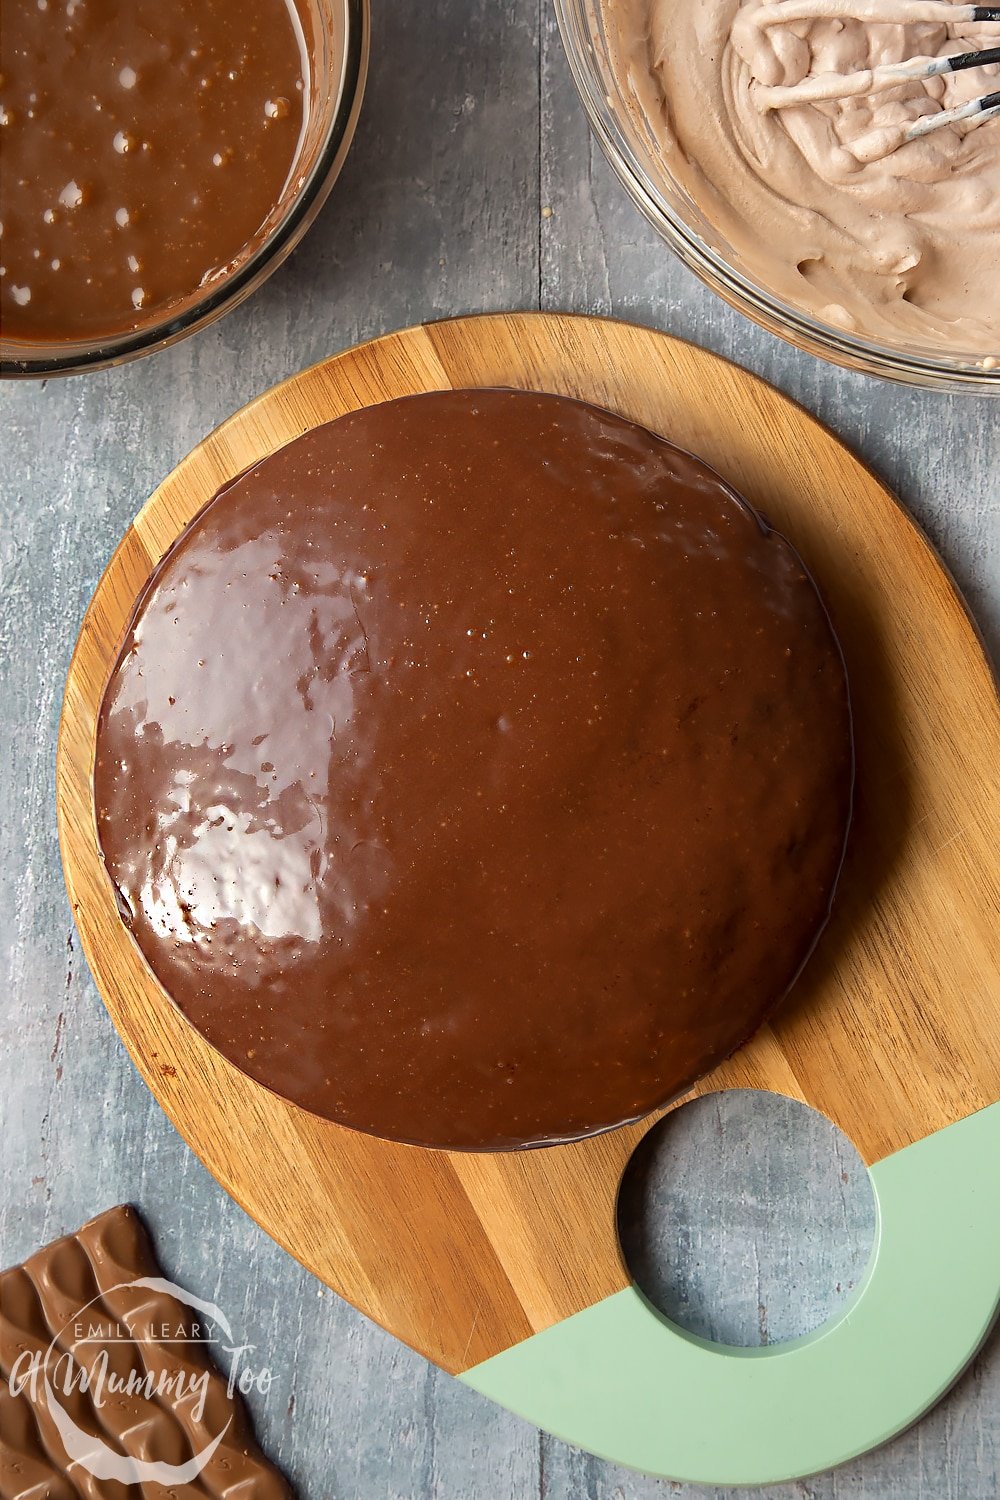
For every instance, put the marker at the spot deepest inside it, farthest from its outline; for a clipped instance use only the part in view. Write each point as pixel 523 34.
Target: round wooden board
pixel 893 1029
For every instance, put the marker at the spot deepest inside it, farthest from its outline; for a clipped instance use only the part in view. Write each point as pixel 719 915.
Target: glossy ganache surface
pixel 476 770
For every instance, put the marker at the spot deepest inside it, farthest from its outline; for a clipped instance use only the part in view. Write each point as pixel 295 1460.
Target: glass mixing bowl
pixel 340 32
pixel 619 126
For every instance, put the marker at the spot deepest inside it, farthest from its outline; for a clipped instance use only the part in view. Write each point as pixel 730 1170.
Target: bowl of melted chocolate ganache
pixel 159 161
pixel 476 770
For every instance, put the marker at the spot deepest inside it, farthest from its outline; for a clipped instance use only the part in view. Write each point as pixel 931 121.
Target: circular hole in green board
pixel 747 1218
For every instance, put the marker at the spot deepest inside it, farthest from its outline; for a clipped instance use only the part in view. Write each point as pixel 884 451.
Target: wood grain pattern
pixel 892 1032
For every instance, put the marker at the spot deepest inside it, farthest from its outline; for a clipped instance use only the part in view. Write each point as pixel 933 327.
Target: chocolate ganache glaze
pixel 145 146
pixel 476 770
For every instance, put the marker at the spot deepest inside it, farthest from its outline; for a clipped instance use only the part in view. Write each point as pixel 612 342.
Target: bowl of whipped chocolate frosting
pixel 159 162
pixel 814 215
pixel 475 770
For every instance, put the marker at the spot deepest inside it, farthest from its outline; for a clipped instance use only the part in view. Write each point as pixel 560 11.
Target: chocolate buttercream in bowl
pixel 759 141
pixel 818 198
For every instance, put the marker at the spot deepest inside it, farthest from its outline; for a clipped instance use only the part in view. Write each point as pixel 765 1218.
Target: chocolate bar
pixel 108 1381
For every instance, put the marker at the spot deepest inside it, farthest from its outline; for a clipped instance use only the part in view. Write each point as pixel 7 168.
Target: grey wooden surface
pixel 473 184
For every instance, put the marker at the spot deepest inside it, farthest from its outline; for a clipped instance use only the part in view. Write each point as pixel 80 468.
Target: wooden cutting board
pixel 893 1031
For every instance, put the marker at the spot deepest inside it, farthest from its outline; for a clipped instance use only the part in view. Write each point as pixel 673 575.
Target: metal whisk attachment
pixel 827 86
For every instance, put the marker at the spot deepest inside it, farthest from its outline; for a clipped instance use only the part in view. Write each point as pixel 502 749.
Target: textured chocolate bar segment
pixel 94 1310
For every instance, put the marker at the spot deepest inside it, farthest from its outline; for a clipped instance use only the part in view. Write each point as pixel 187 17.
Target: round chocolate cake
pixel 476 770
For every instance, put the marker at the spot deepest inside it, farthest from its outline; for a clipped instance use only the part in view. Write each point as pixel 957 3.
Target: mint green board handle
pixel 623 1382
